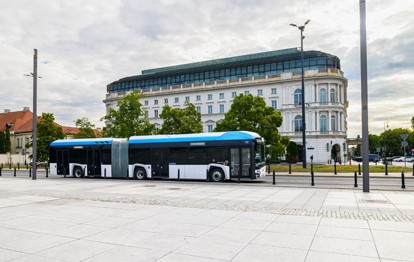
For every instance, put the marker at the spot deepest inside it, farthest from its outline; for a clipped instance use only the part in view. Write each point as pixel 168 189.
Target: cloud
pixel 83 46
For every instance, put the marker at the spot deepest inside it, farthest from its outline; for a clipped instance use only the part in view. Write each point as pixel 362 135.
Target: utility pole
pixel 34 135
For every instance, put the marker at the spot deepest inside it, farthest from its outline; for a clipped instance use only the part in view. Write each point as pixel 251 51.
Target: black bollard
pixel 30 172
pixel 0 171
pixel 355 180
pixel 14 172
pixel 335 168
pixel 359 168
pixel 386 168
pixel 413 169
pixel 178 174
pixel 274 178
pixel 402 180
pixel 312 179
pixel 290 169
pixel 105 173
pixel 47 172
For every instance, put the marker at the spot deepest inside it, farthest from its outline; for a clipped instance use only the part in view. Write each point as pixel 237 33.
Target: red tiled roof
pixel 22 122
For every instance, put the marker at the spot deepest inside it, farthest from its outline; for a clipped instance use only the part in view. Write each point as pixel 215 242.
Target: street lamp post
pixel 302 28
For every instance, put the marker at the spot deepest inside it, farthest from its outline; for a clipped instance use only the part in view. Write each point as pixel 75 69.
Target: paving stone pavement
pixel 122 220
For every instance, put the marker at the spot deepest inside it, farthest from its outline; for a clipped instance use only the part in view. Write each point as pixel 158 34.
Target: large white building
pixel 275 76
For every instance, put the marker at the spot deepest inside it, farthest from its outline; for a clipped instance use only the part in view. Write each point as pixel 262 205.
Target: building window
pixel 156 102
pixel 198 98
pixel 146 102
pixel 260 92
pixel 298 123
pixel 274 90
pixel 18 142
pixel 146 114
pixel 209 128
pixel 333 123
pixel 322 96
pixel 322 124
pixel 198 108
pixel 298 97
pixel 233 94
pixel 176 100
pixel 210 110
pixel 187 99
pixel 221 109
pixel 209 97
pixel 274 104
pixel 156 113
pixel 246 92
pixel 221 95
pixel 333 95
pixel 165 100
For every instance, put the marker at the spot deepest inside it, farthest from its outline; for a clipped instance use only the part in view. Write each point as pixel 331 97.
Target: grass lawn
pixel 339 168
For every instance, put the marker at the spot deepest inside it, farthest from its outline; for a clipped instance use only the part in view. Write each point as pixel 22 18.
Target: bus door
pixel 62 162
pixel 240 162
pixel 160 162
pixel 94 162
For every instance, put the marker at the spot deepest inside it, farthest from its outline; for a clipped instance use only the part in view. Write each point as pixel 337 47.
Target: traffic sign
pixel 404 136
pixel 404 143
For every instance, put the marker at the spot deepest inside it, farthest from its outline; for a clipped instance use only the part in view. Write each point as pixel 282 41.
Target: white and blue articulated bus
pixel 214 156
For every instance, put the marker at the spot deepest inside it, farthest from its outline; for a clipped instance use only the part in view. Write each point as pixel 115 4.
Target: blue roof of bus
pixel 215 136
pixel 82 142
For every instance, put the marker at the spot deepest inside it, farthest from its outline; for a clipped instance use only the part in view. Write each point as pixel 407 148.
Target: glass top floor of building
pixel 259 64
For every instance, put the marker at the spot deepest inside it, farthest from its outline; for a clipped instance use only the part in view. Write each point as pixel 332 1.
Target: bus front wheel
pixel 77 172
pixel 217 175
pixel 140 174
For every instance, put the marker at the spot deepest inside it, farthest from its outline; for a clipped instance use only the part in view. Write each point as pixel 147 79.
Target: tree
pixel 391 140
pixel 250 113
pixel 292 152
pixel 181 120
pixel 129 119
pixel 7 141
pixel 86 128
pixel 47 132
pixel 412 123
pixel 374 143
pixel 2 142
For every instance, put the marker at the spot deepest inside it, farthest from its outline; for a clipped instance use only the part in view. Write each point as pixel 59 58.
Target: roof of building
pixel 22 122
pixel 228 60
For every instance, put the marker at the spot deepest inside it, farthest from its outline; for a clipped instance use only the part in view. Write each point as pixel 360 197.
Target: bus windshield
pixel 260 153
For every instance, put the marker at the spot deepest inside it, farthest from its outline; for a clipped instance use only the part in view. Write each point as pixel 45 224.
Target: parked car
pixel 371 158
pixel 374 158
pixel 40 164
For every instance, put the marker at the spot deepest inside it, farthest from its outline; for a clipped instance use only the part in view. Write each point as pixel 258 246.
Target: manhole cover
pixel 374 201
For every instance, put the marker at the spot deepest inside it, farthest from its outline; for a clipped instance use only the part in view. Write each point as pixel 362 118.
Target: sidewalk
pixel 124 220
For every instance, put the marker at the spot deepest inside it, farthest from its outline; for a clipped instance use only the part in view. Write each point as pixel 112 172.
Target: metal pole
pixel 34 159
pixel 364 97
pixel 402 180
pixel 303 103
pixel 274 178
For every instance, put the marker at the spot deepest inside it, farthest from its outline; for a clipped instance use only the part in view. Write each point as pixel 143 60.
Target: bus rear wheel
pixel 77 172
pixel 216 175
pixel 140 174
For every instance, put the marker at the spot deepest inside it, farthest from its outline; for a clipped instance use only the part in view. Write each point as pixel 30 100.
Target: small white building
pixel 275 76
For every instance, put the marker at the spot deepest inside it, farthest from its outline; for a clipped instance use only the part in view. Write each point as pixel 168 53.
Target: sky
pixel 85 45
